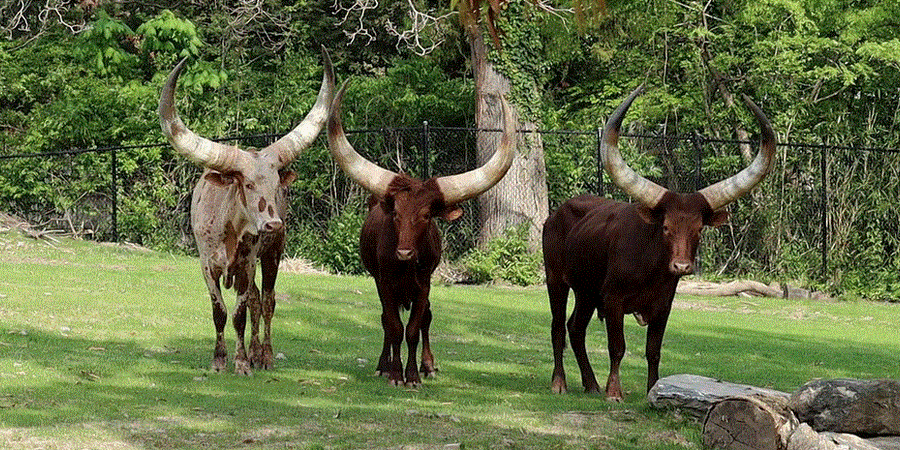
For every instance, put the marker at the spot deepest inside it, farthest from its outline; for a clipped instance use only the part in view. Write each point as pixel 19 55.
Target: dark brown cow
pixel 237 215
pixel 627 258
pixel 400 245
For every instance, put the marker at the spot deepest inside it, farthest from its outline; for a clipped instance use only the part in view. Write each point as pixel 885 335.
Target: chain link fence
pixel 824 214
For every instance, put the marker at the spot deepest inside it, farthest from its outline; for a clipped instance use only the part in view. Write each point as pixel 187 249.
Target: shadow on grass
pixel 492 391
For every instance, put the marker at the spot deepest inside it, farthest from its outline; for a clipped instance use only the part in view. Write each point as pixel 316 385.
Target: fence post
pixel 823 167
pixel 599 189
pixel 698 142
pixel 115 196
pixel 426 151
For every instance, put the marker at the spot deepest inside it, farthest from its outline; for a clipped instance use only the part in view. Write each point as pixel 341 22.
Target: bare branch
pixel 251 17
pixel 28 17
pixel 420 25
pixel 360 7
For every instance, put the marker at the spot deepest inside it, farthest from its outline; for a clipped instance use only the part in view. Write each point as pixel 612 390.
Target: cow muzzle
pixel 406 254
pixel 272 226
pixel 681 267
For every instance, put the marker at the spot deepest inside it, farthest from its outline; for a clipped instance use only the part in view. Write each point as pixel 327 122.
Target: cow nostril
pixel 273 226
pixel 682 268
pixel 404 255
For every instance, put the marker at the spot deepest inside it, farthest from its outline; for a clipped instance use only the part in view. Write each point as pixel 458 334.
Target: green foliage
pixel 167 33
pixel 824 71
pixel 111 45
pixel 409 93
pixel 336 247
pixel 506 258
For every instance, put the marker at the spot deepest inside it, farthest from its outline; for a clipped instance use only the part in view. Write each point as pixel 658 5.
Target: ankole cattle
pixel 626 258
pixel 399 243
pixel 238 210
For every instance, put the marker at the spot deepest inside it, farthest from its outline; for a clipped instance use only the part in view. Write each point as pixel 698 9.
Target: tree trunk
pixel 747 423
pixel 521 196
pixel 695 394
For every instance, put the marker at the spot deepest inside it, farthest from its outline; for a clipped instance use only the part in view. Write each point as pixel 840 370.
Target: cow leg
pixel 254 350
pixel 269 274
pixel 413 328
pixel 577 324
pixel 248 295
pixel 383 368
pixel 220 317
pixel 615 335
pixel 558 292
pixel 428 368
pixel 655 331
pixel 390 361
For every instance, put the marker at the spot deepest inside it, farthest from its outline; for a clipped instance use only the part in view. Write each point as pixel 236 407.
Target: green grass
pixel 108 347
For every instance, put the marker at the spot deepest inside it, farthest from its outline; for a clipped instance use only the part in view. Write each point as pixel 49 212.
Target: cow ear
pixel 646 214
pixel 221 179
pixel 287 177
pixel 452 213
pixel 717 218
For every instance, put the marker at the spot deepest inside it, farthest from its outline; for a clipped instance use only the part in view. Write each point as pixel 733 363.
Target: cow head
pixel 410 202
pixel 257 177
pixel 683 216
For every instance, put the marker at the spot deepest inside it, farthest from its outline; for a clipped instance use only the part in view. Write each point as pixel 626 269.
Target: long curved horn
pixel 638 187
pixel 461 187
pixel 732 188
pixel 292 144
pixel 216 156
pixel 371 177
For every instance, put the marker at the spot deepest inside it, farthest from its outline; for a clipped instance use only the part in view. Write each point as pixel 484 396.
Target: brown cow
pixel 400 245
pixel 237 215
pixel 627 258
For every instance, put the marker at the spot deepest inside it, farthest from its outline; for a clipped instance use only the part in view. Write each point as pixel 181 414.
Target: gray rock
pixel 846 405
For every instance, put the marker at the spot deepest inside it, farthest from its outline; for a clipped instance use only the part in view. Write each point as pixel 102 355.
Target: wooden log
pixel 753 423
pixel 737 416
pixel 729 289
pixel 748 423
pixel 695 394
pixel 862 407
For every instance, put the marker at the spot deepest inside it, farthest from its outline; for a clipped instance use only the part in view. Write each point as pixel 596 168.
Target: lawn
pixel 108 347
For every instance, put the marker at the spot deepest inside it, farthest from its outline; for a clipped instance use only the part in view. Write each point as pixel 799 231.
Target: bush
pixel 337 249
pixel 506 258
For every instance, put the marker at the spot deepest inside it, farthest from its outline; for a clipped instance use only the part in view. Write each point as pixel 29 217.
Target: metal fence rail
pixel 808 213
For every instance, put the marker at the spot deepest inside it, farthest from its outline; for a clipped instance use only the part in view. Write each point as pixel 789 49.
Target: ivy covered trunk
pixel 520 198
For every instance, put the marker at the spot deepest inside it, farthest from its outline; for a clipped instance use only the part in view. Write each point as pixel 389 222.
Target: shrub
pixel 506 258
pixel 337 248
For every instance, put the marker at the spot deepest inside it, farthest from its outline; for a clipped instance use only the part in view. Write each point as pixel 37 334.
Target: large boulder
pixel 862 407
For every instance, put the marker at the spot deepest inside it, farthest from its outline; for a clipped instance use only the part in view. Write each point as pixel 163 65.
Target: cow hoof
pixel 218 365
pixel 614 398
pixel 414 384
pixel 242 368
pixel 396 382
pixel 558 386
